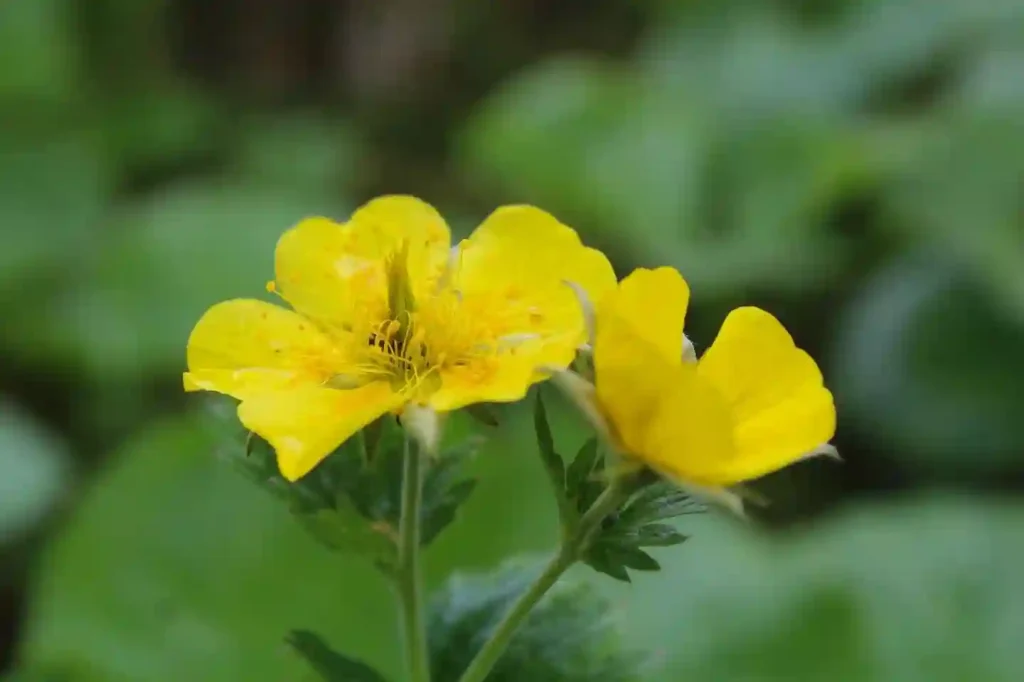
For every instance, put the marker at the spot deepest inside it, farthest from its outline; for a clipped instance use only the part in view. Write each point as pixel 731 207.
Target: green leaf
pixel 211 572
pixel 329 664
pixel 582 468
pixel 445 488
pixel 570 636
pixel 352 502
pixel 599 559
pixel 553 463
pixel 343 529
pixel 633 558
pixel 33 472
pixel 659 501
pixel 651 535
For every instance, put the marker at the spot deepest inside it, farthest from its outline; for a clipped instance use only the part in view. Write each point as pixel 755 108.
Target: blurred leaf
pixel 163 124
pixel 343 529
pixel 751 63
pixel 570 636
pixel 891 40
pixel 923 591
pixel 574 101
pixel 52 194
pixel 176 568
pixel 927 366
pixel 38 54
pixel 307 154
pixel 330 665
pixel 730 201
pixel 973 217
pixel 172 258
pixel 32 472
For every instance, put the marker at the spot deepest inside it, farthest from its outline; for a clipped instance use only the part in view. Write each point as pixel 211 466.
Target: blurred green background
pixel 856 166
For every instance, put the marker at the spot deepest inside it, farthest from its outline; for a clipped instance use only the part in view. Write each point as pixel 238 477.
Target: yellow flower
pixel 386 314
pixel 753 403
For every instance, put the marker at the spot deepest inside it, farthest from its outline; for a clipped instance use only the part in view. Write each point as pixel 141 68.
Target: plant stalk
pixel 568 554
pixel 408 573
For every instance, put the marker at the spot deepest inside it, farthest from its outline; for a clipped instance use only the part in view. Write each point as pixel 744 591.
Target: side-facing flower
pixel 752 404
pixel 385 315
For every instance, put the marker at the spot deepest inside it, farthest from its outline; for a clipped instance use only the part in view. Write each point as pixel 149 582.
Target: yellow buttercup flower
pixel 752 404
pixel 386 315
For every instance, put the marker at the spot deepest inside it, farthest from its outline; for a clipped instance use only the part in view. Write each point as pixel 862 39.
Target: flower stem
pixel 568 554
pixel 408 574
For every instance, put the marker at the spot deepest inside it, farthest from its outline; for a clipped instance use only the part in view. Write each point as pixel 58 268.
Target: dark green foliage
pixel 330 665
pixel 570 637
pixel 351 502
pixel 617 544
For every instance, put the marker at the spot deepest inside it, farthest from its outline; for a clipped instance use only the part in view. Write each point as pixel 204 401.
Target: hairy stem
pixel 567 555
pixel 408 573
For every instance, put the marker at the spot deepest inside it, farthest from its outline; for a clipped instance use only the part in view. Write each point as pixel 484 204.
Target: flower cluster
pixel 387 317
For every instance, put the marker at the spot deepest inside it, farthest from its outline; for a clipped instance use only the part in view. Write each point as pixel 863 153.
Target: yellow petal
pixel 631 377
pixel 306 424
pixel 488 379
pixel 774 390
pixel 654 303
pixel 381 226
pixel 780 436
pixel 691 433
pixel 519 246
pixel 514 272
pixel 321 273
pixel 244 345
pixel 337 274
pixel 755 364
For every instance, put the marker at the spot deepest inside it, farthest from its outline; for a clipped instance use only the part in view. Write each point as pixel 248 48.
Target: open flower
pixel 752 404
pixel 385 314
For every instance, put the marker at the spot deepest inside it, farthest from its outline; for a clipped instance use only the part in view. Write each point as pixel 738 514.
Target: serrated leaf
pixel 437 517
pixel 659 501
pixel 344 530
pixel 597 558
pixel 330 665
pixel 569 637
pixel 582 467
pixel 553 463
pixel 445 488
pixel 651 535
pixel 630 557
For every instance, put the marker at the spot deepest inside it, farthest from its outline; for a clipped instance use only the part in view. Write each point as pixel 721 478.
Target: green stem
pixel 495 646
pixel 567 555
pixel 408 573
